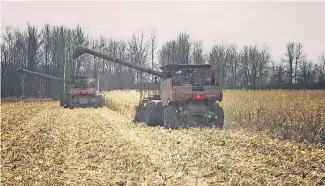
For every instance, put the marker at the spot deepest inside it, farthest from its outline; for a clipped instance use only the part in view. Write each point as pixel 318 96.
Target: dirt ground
pixel 43 144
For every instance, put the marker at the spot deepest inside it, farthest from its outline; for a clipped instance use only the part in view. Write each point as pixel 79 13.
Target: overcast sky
pixel 270 24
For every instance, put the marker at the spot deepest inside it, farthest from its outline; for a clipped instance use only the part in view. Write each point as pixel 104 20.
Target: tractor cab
pixel 83 82
pixel 196 75
pixel 83 85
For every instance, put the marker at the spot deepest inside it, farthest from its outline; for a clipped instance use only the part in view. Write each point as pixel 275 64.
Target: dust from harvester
pixel 43 144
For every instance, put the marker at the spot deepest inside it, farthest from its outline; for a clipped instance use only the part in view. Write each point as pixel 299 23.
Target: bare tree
pixel 138 50
pixel 153 48
pixel 290 57
pixel 298 55
pixel 322 67
pixel 49 51
pixel 197 53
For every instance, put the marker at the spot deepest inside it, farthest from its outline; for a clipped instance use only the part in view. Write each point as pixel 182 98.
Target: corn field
pixel 271 138
pixel 297 115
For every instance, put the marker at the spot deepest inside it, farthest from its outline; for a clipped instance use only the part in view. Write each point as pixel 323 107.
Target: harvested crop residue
pixel 43 144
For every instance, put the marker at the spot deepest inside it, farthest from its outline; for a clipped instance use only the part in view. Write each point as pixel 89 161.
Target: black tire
pixel 98 101
pixel 62 100
pixel 160 114
pixel 171 117
pixel 137 114
pixel 219 113
pixel 65 101
pixel 150 113
pixel 69 102
pixel 103 101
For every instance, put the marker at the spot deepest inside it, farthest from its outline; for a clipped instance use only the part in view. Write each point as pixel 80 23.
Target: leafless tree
pixel 197 53
pixel 298 55
pixel 48 50
pixel 290 57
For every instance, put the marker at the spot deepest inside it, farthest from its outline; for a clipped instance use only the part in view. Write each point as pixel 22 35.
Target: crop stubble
pixel 44 144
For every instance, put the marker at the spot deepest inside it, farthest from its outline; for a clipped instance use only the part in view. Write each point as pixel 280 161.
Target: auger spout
pixel 80 50
pixel 42 75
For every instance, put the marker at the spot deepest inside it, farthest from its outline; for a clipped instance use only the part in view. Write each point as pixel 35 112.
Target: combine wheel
pixel 103 101
pixel 160 114
pixel 65 100
pixel 149 114
pixel 71 105
pixel 219 120
pixel 69 102
pixel 137 114
pixel 98 101
pixel 62 100
pixel 171 117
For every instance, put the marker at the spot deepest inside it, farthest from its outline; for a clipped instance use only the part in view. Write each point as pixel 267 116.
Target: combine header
pixel 188 94
pixel 82 93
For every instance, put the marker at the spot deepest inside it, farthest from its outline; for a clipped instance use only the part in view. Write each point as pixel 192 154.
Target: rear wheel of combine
pixel 103 101
pixel 150 113
pixel 137 114
pixel 62 100
pixel 218 121
pixel 69 102
pixel 160 114
pixel 98 101
pixel 65 100
pixel 171 117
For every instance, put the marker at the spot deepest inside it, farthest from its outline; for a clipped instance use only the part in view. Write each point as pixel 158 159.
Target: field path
pixel 44 144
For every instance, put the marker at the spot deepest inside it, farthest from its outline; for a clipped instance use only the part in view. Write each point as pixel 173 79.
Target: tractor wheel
pixel 137 114
pixel 150 113
pixel 218 121
pixel 61 100
pixel 71 105
pixel 160 114
pixel 103 101
pixel 65 101
pixel 98 101
pixel 69 102
pixel 171 117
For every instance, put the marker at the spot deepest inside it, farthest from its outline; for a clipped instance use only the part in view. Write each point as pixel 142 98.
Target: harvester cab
pixel 188 94
pixel 195 75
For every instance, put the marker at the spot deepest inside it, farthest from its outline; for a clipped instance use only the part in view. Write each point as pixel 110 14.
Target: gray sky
pixel 270 24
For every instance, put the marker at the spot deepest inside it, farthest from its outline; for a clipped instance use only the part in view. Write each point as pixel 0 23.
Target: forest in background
pixel 49 49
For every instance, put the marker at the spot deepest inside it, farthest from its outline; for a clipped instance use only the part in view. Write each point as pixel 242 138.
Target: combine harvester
pixel 187 96
pixel 83 91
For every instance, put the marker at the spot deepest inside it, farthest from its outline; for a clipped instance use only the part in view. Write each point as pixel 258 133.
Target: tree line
pixel 49 50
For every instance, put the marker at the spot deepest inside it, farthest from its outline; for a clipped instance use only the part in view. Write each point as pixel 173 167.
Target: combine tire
pixel 137 114
pixel 69 102
pixel 65 101
pixel 149 114
pixel 160 114
pixel 218 111
pixel 103 101
pixel 62 100
pixel 171 117
pixel 98 101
